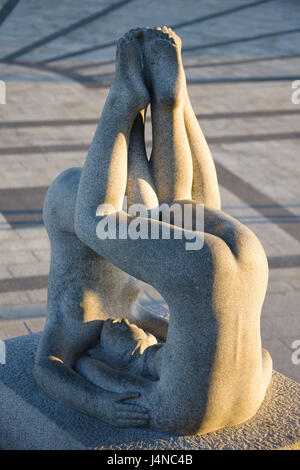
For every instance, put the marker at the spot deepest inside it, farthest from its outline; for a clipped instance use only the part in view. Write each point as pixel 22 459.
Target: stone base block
pixel 31 420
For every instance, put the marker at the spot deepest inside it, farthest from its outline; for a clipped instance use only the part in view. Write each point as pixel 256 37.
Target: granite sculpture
pixel 204 369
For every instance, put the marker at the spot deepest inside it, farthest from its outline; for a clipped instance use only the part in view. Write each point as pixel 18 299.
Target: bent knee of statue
pixel 60 200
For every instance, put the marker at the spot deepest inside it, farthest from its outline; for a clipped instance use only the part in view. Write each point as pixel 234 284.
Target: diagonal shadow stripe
pixel 23 283
pixel 247 114
pixel 69 74
pixel 232 139
pixel 230 62
pixel 17 205
pixel 104 80
pixel 202 116
pixel 203 81
pixel 43 149
pixel 100 63
pixel 27 327
pixel 263 204
pixel 41 282
pixel 78 24
pixel 49 123
pixel 219 14
pixel 211 140
pixel 7 9
pixel 191 66
pixel 68 55
pixel 94 80
pixel 242 39
pixel 288 261
pixel 201 19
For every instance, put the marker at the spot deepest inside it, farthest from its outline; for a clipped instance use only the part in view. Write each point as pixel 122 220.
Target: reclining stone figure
pixel 204 370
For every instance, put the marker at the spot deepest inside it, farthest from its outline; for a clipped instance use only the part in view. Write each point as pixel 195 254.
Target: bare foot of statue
pixel 128 84
pixel 170 160
pixel 163 66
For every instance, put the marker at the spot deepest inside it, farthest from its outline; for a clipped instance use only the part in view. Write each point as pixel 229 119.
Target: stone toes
pixel 166 33
pixel 151 33
pixel 159 32
pixel 175 37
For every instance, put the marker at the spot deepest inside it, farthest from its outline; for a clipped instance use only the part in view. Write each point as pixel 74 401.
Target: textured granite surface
pixel 30 420
pixel 211 372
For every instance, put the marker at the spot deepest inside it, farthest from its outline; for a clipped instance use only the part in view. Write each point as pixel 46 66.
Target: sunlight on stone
pixel 92 306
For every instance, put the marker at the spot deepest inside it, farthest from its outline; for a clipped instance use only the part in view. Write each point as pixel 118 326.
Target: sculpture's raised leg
pixel 181 160
pixel 171 157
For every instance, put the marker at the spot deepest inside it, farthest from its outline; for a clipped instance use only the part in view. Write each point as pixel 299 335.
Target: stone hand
pixel 116 410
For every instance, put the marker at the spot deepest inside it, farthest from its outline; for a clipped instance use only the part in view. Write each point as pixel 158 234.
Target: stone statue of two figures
pixel 205 368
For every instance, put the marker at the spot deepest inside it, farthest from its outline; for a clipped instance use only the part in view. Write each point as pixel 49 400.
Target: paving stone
pixel 284 273
pixel 282 358
pixel 30 233
pixel 280 287
pixel 291 324
pixel 32 269
pixel 295 283
pixel 40 244
pixel 37 296
pixel 8 234
pixel 273 238
pixel 34 325
pixel 23 312
pixel 42 255
pixel 277 305
pixel 16 257
pixel 13 298
pixel 4 273
pixel 12 328
pixel 293 343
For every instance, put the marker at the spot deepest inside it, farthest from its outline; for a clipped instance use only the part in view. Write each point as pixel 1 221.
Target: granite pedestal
pixel 31 420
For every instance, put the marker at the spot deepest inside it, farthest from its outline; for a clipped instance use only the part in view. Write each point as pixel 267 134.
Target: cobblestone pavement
pixel 241 58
